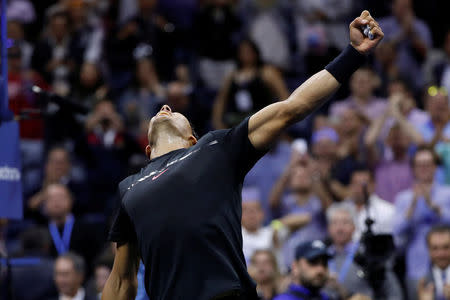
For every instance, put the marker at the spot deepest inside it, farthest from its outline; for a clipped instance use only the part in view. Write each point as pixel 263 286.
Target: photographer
pixel 345 274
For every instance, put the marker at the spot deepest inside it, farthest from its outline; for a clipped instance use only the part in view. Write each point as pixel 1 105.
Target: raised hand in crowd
pixel 425 291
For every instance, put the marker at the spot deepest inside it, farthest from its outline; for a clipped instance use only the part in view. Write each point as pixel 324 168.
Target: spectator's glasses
pixel 434 90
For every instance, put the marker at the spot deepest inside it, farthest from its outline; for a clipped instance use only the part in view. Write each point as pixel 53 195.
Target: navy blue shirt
pixel 184 212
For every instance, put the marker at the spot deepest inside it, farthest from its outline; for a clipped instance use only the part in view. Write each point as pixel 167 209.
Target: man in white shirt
pixel 69 275
pixel 437 281
pixel 361 195
pixel 255 236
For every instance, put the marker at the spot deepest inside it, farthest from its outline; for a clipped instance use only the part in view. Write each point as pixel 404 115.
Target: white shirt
pixel 380 211
pixel 437 278
pixel 79 296
pixel 262 239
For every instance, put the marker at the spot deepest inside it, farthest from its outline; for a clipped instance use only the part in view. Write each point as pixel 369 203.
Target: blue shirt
pixel 295 288
pixel 411 233
pixel 316 229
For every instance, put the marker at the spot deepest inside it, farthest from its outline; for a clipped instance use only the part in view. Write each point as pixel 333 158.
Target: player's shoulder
pixel 128 182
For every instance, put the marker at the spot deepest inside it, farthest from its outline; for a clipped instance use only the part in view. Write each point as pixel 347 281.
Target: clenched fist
pixel 357 38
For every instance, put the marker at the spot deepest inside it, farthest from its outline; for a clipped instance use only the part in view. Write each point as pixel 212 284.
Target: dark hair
pixel 35 239
pixel 362 168
pixel 440 228
pixel 255 49
pixel 436 159
pixel 78 262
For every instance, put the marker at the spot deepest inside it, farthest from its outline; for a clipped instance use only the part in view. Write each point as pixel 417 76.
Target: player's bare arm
pixel 267 124
pixel 122 282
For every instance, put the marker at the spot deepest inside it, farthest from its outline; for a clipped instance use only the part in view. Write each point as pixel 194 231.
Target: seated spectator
pixel 363 198
pixel 144 96
pixel 392 168
pixel 34 281
pixel 215 28
pixel 411 37
pixel 263 268
pixel 272 237
pixel 102 269
pixel 362 99
pixel 309 272
pixel 341 226
pixel 303 197
pixel 417 209
pixel 110 149
pixel 266 172
pixel 67 232
pixel 248 89
pixel 438 277
pixel 16 33
pixel 69 273
pixel 52 56
pixel 58 169
pixel 89 86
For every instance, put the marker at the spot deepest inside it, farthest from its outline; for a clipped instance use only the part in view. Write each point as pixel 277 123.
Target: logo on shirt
pixel 156 176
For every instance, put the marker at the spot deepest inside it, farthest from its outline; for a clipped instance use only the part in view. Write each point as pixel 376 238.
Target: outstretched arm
pixel 267 124
pixel 122 282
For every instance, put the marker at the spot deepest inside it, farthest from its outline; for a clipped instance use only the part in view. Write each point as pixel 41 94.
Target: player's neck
pixel 168 144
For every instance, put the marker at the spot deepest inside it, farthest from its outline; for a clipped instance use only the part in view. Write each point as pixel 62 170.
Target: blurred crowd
pixel 380 148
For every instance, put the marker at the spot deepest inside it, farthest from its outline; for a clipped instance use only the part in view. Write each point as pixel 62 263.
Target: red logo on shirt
pixel 156 176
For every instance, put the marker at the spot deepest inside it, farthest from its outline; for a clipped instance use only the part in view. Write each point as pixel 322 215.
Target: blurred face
pixel 311 274
pixel 145 71
pixel 264 267
pixel 176 97
pixel 300 179
pixel 324 149
pixel 101 275
pixel 350 122
pixel 341 228
pixel 169 123
pixel 57 201
pixel 58 164
pixel 439 248
pixel 67 280
pixel 424 166
pixel 77 11
pixel 247 55
pixel 437 107
pixel 89 75
pixel 362 83
pixel 252 215
pixel 401 7
pixel 58 27
pixel 398 140
pixel 357 183
pixel 15 30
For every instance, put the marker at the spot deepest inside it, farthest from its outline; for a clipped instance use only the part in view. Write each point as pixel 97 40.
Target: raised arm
pixel 267 124
pixel 122 282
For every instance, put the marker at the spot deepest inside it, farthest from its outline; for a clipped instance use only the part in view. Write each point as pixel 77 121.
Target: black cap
pixel 312 250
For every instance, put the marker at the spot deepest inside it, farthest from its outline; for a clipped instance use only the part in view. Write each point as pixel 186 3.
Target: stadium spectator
pixel 102 269
pixel 37 274
pixel 248 89
pixel 52 56
pixel 410 38
pixel 58 169
pixel 69 274
pixel 362 99
pixel 417 209
pixel 89 86
pixel 391 162
pixel 267 171
pixel 341 226
pixel 271 237
pixel 309 272
pixel 263 268
pixel 215 30
pixel 438 242
pixel 304 197
pixel 67 232
pixel 17 34
pixel 368 204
